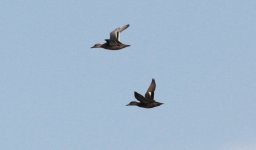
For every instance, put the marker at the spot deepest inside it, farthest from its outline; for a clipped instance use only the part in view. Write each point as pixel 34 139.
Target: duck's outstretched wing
pixel 151 89
pixel 114 35
pixel 140 98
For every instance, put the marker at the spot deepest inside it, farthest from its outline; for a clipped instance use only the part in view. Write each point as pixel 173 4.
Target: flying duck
pixel 146 101
pixel 113 43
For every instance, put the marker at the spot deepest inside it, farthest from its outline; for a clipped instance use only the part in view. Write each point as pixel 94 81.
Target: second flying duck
pixel 146 101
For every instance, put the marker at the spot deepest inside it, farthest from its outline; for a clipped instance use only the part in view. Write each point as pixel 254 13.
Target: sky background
pixel 56 93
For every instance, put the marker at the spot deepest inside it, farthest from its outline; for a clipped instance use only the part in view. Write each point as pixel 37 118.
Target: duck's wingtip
pixel 126 26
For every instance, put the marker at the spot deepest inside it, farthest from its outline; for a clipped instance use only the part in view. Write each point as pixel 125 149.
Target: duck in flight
pixel 146 101
pixel 113 43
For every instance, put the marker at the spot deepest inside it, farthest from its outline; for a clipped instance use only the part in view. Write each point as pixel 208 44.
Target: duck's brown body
pixel 109 46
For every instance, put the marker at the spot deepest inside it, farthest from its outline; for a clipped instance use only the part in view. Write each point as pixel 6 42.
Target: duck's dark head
pixel 133 103
pixel 97 46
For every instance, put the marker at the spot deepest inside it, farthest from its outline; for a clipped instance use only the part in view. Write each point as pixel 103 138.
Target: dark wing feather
pixel 112 42
pixel 151 89
pixel 140 98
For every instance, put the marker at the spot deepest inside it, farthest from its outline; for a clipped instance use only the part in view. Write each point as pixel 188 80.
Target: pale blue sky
pixel 56 93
